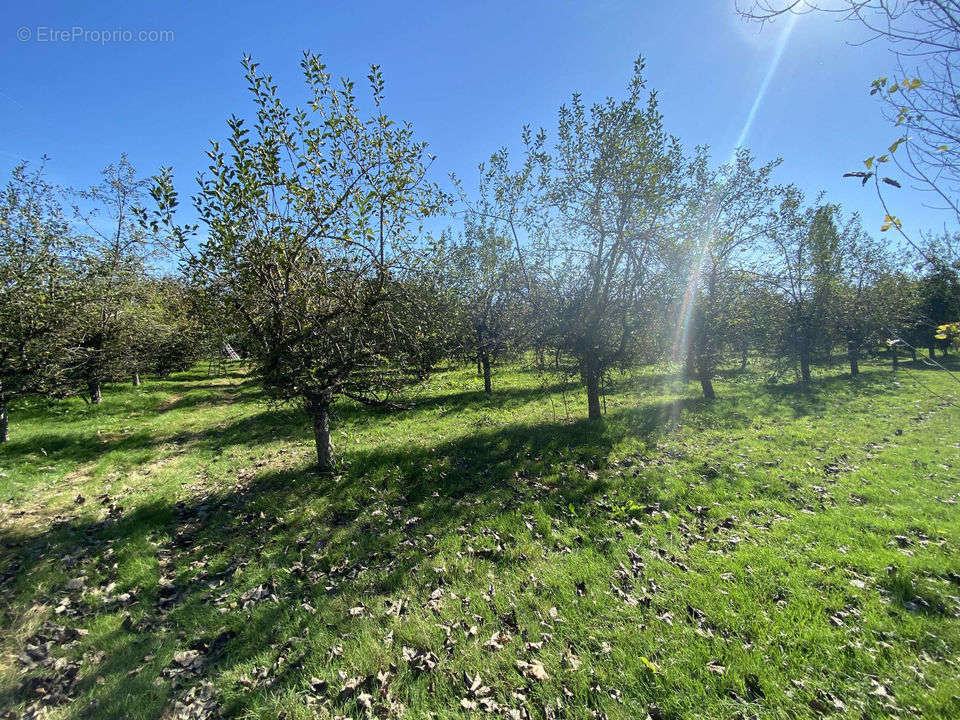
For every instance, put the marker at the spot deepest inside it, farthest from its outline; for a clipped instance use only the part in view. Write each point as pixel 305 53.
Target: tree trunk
pixel 704 366
pixel 707 385
pixel 136 379
pixel 4 423
pixel 485 364
pixel 913 354
pixel 318 408
pixel 743 358
pixel 933 352
pixel 896 357
pixel 854 364
pixel 591 377
pixel 93 386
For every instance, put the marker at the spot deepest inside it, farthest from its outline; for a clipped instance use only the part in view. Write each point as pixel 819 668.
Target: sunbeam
pixel 683 334
pixel 771 71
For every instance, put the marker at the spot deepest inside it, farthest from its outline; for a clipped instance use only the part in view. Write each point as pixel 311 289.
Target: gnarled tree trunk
pixel 4 423
pixel 590 371
pixel 136 379
pixel 318 409
pixel 93 389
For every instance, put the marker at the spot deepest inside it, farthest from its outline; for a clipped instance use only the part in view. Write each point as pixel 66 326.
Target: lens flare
pixel 771 71
pixel 682 336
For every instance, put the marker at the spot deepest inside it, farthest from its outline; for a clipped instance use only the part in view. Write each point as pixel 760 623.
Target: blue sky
pixel 467 74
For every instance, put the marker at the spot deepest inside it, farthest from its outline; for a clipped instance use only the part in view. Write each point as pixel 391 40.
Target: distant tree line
pixel 604 245
pixel 82 300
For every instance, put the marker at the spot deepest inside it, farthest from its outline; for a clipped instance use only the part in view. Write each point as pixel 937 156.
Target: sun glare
pixel 683 334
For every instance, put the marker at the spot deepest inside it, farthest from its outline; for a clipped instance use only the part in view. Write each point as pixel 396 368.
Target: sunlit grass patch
pixel 777 553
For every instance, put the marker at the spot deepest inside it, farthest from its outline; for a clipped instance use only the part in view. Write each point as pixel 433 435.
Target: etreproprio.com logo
pixel 97 36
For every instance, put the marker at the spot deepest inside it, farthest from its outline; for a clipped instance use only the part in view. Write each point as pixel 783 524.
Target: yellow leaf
pixel 868 162
pixel 652 667
pixel 943 148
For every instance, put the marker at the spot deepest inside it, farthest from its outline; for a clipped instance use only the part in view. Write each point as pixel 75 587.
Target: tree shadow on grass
pixel 79 448
pixel 454 402
pixel 909 592
pixel 821 394
pixel 951 363
pixel 74 443
pixel 280 518
pixel 232 370
pixel 210 396
pixel 306 538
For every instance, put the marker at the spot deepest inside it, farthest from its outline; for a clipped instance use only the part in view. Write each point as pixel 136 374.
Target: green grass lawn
pixel 779 553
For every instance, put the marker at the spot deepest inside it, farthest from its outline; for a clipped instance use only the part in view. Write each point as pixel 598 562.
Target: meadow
pixel 781 552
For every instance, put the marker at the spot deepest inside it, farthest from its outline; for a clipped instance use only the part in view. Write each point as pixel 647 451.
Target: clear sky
pixel 467 74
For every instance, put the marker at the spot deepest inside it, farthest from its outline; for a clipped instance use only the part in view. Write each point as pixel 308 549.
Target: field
pixel 778 553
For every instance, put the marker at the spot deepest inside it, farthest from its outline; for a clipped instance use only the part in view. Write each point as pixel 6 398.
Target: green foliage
pixel 824 267
pixel 311 244
pixel 723 227
pixel 108 329
pixel 38 290
pixel 487 279
pixel 602 209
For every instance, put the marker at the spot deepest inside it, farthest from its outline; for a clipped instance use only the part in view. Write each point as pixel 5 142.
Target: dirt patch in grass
pixel 169 404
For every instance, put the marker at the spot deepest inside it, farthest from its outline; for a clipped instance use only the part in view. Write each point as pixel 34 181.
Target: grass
pixel 779 553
